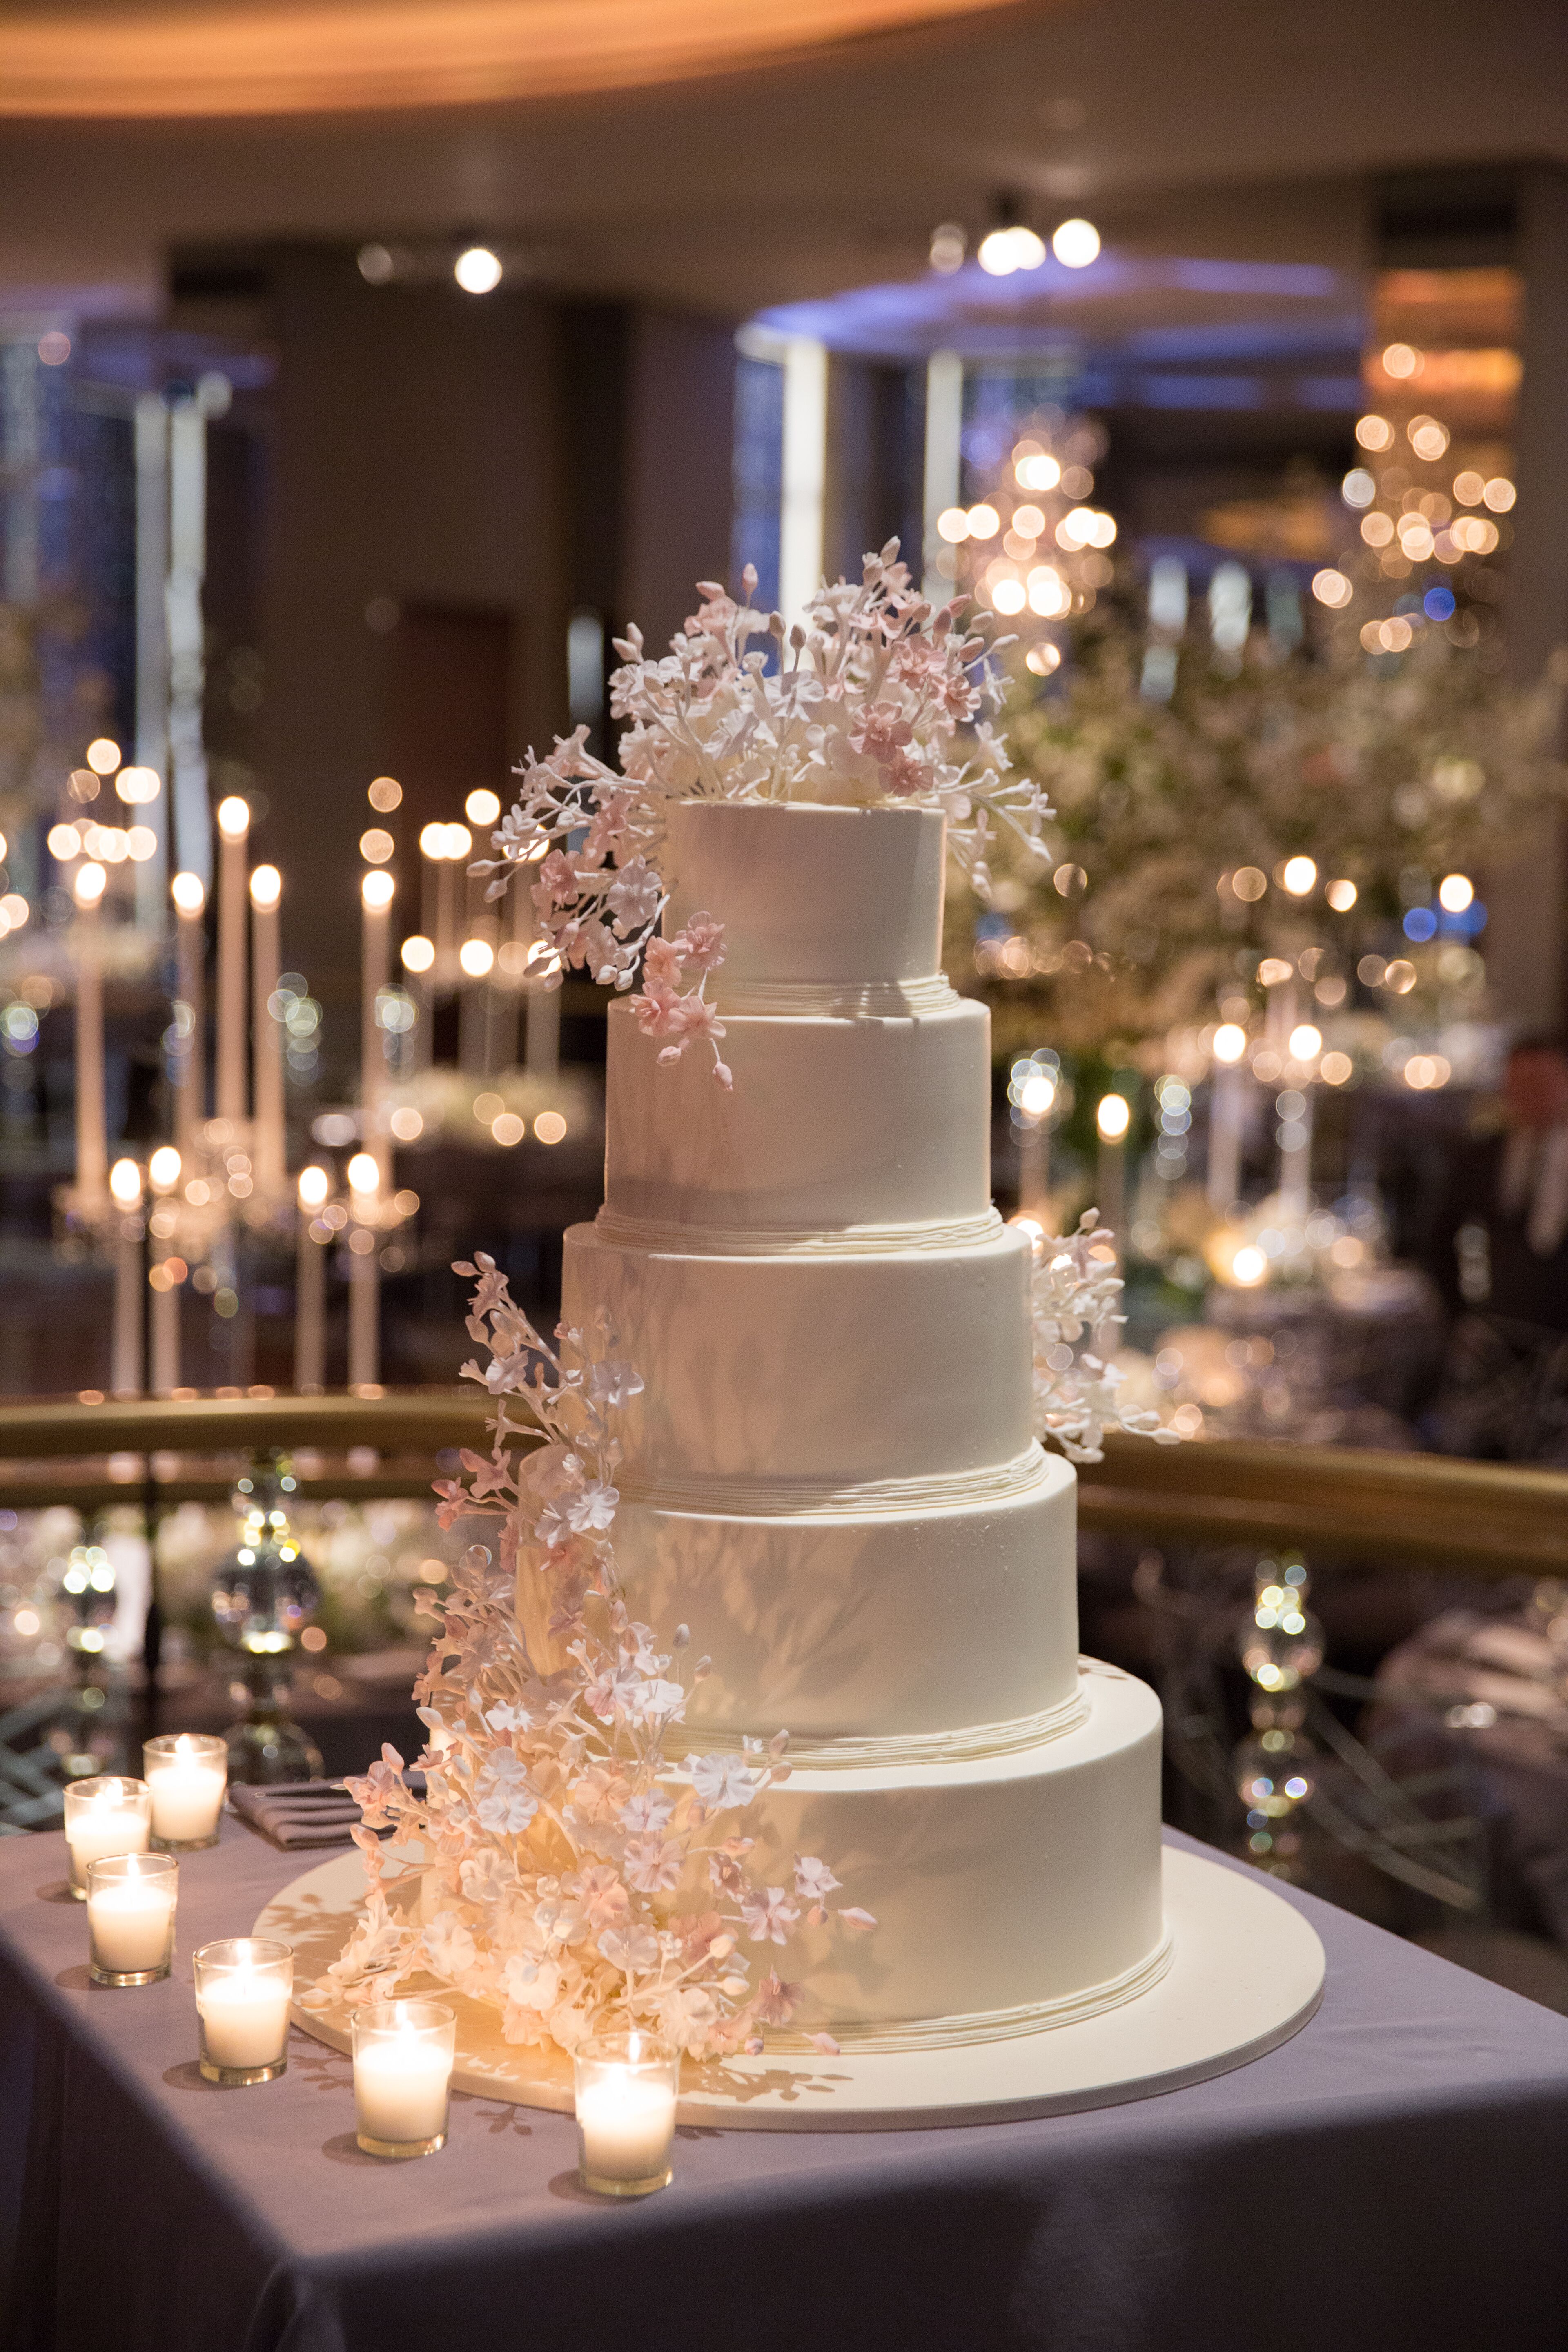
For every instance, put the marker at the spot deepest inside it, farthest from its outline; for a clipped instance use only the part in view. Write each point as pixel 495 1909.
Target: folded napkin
pixel 299 1812
pixel 306 1812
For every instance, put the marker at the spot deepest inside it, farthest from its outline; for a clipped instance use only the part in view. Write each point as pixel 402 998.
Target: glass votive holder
pixel 105 1815
pixel 188 1772
pixel 627 2084
pixel 130 1917
pixel 244 1985
pixel 402 2073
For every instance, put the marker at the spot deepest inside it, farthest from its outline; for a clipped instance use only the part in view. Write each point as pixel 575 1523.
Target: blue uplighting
pixel 1420 924
pixel 1438 603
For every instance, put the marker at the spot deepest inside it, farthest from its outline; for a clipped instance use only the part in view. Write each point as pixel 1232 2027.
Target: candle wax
pixel 128 1924
pixel 187 1798
pixel 626 2125
pixel 103 1829
pixel 400 2088
pixel 245 2019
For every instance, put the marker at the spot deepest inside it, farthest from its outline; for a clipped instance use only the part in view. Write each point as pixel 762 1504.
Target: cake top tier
pixel 806 893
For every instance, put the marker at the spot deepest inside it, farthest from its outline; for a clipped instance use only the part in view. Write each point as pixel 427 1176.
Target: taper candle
pixel 364 1271
pixel 164 1170
pixel 1228 1107
pixel 375 890
pixel 189 894
pixel 91 1141
pixel 1112 1118
pixel 310 1287
pixel 234 827
pixel 125 1354
pixel 267 1032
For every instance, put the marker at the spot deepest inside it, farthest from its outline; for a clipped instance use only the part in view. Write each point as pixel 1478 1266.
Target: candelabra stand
pixel 264 1592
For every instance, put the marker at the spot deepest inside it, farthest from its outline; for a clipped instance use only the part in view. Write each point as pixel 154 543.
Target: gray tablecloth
pixel 1393 2178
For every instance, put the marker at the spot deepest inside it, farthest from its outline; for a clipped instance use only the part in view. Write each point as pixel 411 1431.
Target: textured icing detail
pixel 911 1750
pixel 784 1241
pixel 798 1498
pixel 1002 2024
pixel 864 1000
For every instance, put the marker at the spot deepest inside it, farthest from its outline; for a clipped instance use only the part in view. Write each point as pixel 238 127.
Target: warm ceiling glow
pixel 314 57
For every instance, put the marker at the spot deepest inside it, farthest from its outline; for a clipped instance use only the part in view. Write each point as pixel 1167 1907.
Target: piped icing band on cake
pixel 1001 2024
pixel 695 1240
pixel 838 1000
pixel 764 1499
pixel 976 1743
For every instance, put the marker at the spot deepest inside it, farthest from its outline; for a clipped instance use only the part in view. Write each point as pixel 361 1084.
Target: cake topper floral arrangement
pixel 875 699
pixel 571 1870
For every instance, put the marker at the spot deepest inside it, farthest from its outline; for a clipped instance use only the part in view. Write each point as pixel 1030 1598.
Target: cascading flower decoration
pixel 1075 1293
pixel 876 697
pixel 563 1866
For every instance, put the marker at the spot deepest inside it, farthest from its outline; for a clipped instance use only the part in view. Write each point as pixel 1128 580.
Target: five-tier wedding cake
pixel 831 1474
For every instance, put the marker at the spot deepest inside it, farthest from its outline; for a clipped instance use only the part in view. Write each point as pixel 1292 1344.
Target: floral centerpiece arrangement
pixel 573 1870
pixel 875 699
pixel 1286 808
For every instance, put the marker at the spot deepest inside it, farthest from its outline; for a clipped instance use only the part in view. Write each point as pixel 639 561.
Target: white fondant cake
pixel 830 1474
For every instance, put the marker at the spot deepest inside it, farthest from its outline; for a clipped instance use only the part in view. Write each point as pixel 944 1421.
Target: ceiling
pixel 1230 132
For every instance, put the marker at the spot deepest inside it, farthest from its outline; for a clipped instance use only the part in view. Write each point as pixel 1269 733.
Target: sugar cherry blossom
pixel 875 697
pixel 573 1877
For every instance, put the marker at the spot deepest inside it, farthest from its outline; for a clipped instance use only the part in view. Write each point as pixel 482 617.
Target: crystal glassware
pixel 130 1903
pixel 244 1985
pixel 627 2084
pixel 403 2072
pixel 105 1815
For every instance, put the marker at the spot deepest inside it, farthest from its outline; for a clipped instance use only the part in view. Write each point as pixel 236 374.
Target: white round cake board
pixel 1246 1973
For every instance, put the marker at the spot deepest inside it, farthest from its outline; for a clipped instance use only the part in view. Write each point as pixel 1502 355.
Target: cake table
pixel 1388 2180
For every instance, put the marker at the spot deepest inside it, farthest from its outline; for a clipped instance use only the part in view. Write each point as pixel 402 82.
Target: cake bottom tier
pixel 1009 1892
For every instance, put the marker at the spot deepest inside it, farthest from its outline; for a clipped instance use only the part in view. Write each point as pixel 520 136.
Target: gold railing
pixel 1421 1509
pixel 161 1451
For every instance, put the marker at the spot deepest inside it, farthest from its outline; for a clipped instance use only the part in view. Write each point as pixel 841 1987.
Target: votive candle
pixel 187 1775
pixel 626 2089
pixel 244 1984
pixel 130 1903
pixel 105 1815
pixel 403 2072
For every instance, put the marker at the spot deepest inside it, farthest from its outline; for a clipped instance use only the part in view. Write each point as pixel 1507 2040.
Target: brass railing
pixel 1421 1509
